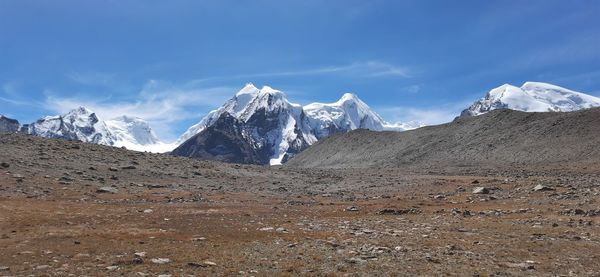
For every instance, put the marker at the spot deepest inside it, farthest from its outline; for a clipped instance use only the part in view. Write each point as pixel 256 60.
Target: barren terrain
pixel 68 208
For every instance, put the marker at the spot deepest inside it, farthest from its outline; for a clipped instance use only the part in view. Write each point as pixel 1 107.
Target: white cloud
pixel 161 104
pixel 426 115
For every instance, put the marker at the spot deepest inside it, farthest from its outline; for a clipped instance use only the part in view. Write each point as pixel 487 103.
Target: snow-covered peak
pixel 346 114
pixel 348 97
pixel 78 124
pixel 248 89
pixel 82 124
pixel 269 90
pixel 242 106
pixel 131 130
pixel 532 97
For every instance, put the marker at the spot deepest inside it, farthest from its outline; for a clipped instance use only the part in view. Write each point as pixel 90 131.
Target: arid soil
pixel 68 208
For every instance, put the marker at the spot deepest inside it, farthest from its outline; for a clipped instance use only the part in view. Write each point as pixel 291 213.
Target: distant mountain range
pixel 83 125
pixel 261 126
pixel 272 127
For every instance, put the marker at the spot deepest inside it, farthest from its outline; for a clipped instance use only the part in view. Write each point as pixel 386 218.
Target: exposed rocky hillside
pixel 498 138
pixel 8 125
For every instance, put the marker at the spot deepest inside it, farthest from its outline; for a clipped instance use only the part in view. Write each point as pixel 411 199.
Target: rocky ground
pixel 68 208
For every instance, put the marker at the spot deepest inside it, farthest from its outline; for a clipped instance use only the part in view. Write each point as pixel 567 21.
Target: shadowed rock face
pixel 8 125
pixel 499 138
pixel 253 142
pixel 223 141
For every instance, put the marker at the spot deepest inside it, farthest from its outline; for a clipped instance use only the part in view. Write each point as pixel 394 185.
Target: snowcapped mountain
pixel 8 125
pixel 264 119
pixel 135 134
pixel 532 97
pixel 79 124
pixel 346 114
pixel 83 125
pixel 274 127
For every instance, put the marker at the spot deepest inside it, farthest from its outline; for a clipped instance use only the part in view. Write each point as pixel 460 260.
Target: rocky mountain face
pixel 84 125
pixel 224 140
pixel 532 97
pixel 8 125
pixel 275 128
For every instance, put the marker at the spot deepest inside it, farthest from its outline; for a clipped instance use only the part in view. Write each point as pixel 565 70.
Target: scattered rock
pixel 137 260
pixel 209 263
pixel 161 260
pixel 481 190
pixel 542 188
pixel 4 268
pixel 352 209
pixel 266 229
pixel 18 177
pixel 522 266
pixel 107 190
pixel 399 211
pixel 281 230
pixel 4 165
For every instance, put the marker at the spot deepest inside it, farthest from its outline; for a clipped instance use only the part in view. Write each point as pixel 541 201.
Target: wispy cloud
pixel 369 69
pixel 161 104
pixel 426 115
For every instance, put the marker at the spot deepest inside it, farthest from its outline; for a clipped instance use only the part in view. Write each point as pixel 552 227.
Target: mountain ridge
pixel 495 139
pixel 272 122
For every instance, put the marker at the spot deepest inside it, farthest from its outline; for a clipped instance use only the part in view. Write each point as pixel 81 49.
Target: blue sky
pixel 171 62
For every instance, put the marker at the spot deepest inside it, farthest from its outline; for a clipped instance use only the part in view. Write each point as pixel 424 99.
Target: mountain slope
pixel 278 129
pixel 498 138
pixel 532 97
pixel 8 125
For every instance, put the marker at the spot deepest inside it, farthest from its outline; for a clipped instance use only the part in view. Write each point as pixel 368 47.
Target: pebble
pixel 209 263
pixel 161 260
pixel 107 190
pixel 542 188
pixel 481 190
pixel 41 267
pixel 352 209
